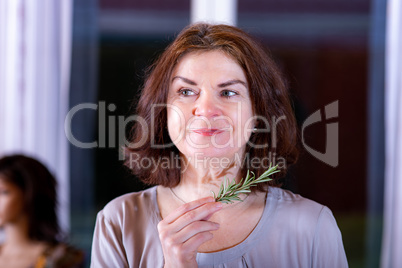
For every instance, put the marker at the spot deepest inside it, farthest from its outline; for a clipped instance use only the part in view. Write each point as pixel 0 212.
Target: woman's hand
pixel 184 230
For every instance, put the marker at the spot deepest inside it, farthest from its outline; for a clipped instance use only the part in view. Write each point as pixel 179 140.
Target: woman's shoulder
pixel 288 198
pixel 307 229
pixel 298 208
pixel 129 204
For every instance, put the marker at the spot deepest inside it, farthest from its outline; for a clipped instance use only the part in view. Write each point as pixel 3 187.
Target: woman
pixel 28 217
pixel 213 106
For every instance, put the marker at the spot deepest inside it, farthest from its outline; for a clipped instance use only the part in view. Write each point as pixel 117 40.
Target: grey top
pixel 292 232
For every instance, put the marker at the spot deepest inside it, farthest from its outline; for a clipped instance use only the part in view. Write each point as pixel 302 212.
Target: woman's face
pixel 11 201
pixel 209 107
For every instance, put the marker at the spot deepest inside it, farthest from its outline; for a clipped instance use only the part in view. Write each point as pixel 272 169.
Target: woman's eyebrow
pixel 186 80
pixel 232 82
pixel 224 84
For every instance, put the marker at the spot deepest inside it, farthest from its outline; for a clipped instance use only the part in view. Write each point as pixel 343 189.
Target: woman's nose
pixel 207 105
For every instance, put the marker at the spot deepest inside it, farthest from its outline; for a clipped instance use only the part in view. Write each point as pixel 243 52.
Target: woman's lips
pixel 207 131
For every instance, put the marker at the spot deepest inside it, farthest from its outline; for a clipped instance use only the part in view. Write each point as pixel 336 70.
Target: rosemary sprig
pixel 229 191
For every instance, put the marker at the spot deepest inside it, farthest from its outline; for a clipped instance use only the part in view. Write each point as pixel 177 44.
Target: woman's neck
pixel 18 249
pixel 203 176
pixel 17 232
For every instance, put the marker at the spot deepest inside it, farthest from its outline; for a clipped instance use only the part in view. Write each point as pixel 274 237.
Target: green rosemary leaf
pixel 230 191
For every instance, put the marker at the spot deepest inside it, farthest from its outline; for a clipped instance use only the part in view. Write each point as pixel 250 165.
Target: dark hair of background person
pixel 268 94
pixel 40 197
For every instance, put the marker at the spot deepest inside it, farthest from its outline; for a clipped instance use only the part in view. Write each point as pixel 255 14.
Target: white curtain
pixel 35 45
pixel 392 234
pixel 213 11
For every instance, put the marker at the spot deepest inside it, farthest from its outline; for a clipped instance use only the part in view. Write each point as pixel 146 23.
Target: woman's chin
pixel 223 155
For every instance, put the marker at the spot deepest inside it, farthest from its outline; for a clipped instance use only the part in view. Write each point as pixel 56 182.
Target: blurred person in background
pixel 28 217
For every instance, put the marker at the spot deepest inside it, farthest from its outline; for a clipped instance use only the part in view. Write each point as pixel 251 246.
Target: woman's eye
pixel 228 93
pixel 186 92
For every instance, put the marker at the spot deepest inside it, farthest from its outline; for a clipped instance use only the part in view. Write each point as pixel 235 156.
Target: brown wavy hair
pixel 40 198
pixel 268 94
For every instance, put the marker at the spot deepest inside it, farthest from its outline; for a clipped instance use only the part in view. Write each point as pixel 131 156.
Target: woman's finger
pixel 192 244
pixel 198 214
pixel 187 207
pixel 186 228
pixel 195 228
